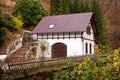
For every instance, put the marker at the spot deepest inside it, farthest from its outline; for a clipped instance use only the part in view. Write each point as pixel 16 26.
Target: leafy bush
pixel 1 71
pixel 31 11
pixel 108 69
pixel 17 22
pixel 3 33
pixel 8 20
pixel 12 22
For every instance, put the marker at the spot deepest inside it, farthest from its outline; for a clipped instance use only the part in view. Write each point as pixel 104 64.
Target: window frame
pixel 86 48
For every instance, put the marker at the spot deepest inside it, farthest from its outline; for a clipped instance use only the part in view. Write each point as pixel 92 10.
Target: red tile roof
pixel 64 23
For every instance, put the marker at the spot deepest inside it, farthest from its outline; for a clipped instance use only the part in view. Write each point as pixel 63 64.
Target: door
pixel 59 50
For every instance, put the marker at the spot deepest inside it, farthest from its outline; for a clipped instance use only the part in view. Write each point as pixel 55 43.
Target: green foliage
pixel 8 20
pixel 69 6
pixel 104 68
pixel 79 6
pixel 59 7
pixel 2 29
pixel 17 22
pixel 104 50
pixel 99 22
pixel 3 33
pixel 1 70
pixel 2 75
pixel 31 11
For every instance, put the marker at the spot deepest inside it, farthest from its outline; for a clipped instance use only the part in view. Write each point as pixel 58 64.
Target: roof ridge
pixel 69 14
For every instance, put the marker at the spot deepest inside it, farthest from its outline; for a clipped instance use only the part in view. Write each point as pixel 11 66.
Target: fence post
pixel 9 67
pixel 25 73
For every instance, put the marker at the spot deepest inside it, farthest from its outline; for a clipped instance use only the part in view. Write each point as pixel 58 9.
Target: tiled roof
pixel 64 23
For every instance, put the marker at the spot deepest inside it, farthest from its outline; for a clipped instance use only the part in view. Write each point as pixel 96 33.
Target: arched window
pixel 86 48
pixel 88 30
pixel 90 48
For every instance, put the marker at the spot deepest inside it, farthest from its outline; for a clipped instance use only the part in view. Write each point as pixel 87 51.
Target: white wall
pixel 74 46
pixel 2 57
pixel 88 42
pixel 89 39
pixel 91 36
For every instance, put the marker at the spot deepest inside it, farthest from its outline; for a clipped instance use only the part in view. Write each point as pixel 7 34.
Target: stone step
pixel 19 54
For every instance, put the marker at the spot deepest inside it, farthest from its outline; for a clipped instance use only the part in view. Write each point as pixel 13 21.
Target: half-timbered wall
pixel 59 35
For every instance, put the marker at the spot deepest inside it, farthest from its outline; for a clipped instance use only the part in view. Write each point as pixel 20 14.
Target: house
pixel 67 35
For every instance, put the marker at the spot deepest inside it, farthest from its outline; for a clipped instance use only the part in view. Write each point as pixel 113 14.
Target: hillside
pixel 8 6
pixel 110 9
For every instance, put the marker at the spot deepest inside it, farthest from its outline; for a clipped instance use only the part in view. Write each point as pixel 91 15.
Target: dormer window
pixel 88 30
pixel 51 26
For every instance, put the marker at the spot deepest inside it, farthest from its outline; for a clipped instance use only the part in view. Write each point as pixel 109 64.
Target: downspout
pixel 82 42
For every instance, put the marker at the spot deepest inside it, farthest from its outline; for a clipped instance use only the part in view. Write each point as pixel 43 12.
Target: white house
pixel 67 35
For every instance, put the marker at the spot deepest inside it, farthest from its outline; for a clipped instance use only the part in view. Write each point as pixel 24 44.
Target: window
pixel 51 26
pixel 86 47
pixel 90 48
pixel 88 30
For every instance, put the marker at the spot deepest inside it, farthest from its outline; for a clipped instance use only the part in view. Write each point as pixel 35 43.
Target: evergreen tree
pixel 59 7
pixel 30 10
pixel 55 7
pixel 3 33
pixel 99 22
pixel 79 6
pixel 74 6
pixel 2 29
pixel 65 6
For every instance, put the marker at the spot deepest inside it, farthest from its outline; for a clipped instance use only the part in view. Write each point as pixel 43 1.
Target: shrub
pixel 8 20
pixel 11 22
pixel 32 11
pixel 3 33
pixel 105 68
pixel 17 22
pixel 1 70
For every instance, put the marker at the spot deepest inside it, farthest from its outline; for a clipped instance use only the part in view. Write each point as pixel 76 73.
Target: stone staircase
pixel 19 55
pixel 23 49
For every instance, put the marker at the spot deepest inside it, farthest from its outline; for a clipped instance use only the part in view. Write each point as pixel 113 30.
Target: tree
pixel 65 7
pixel 2 29
pixel 74 6
pixel 31 11
pixel 99 22
pixel 55 7
pixel 59 7
pixel 3 33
